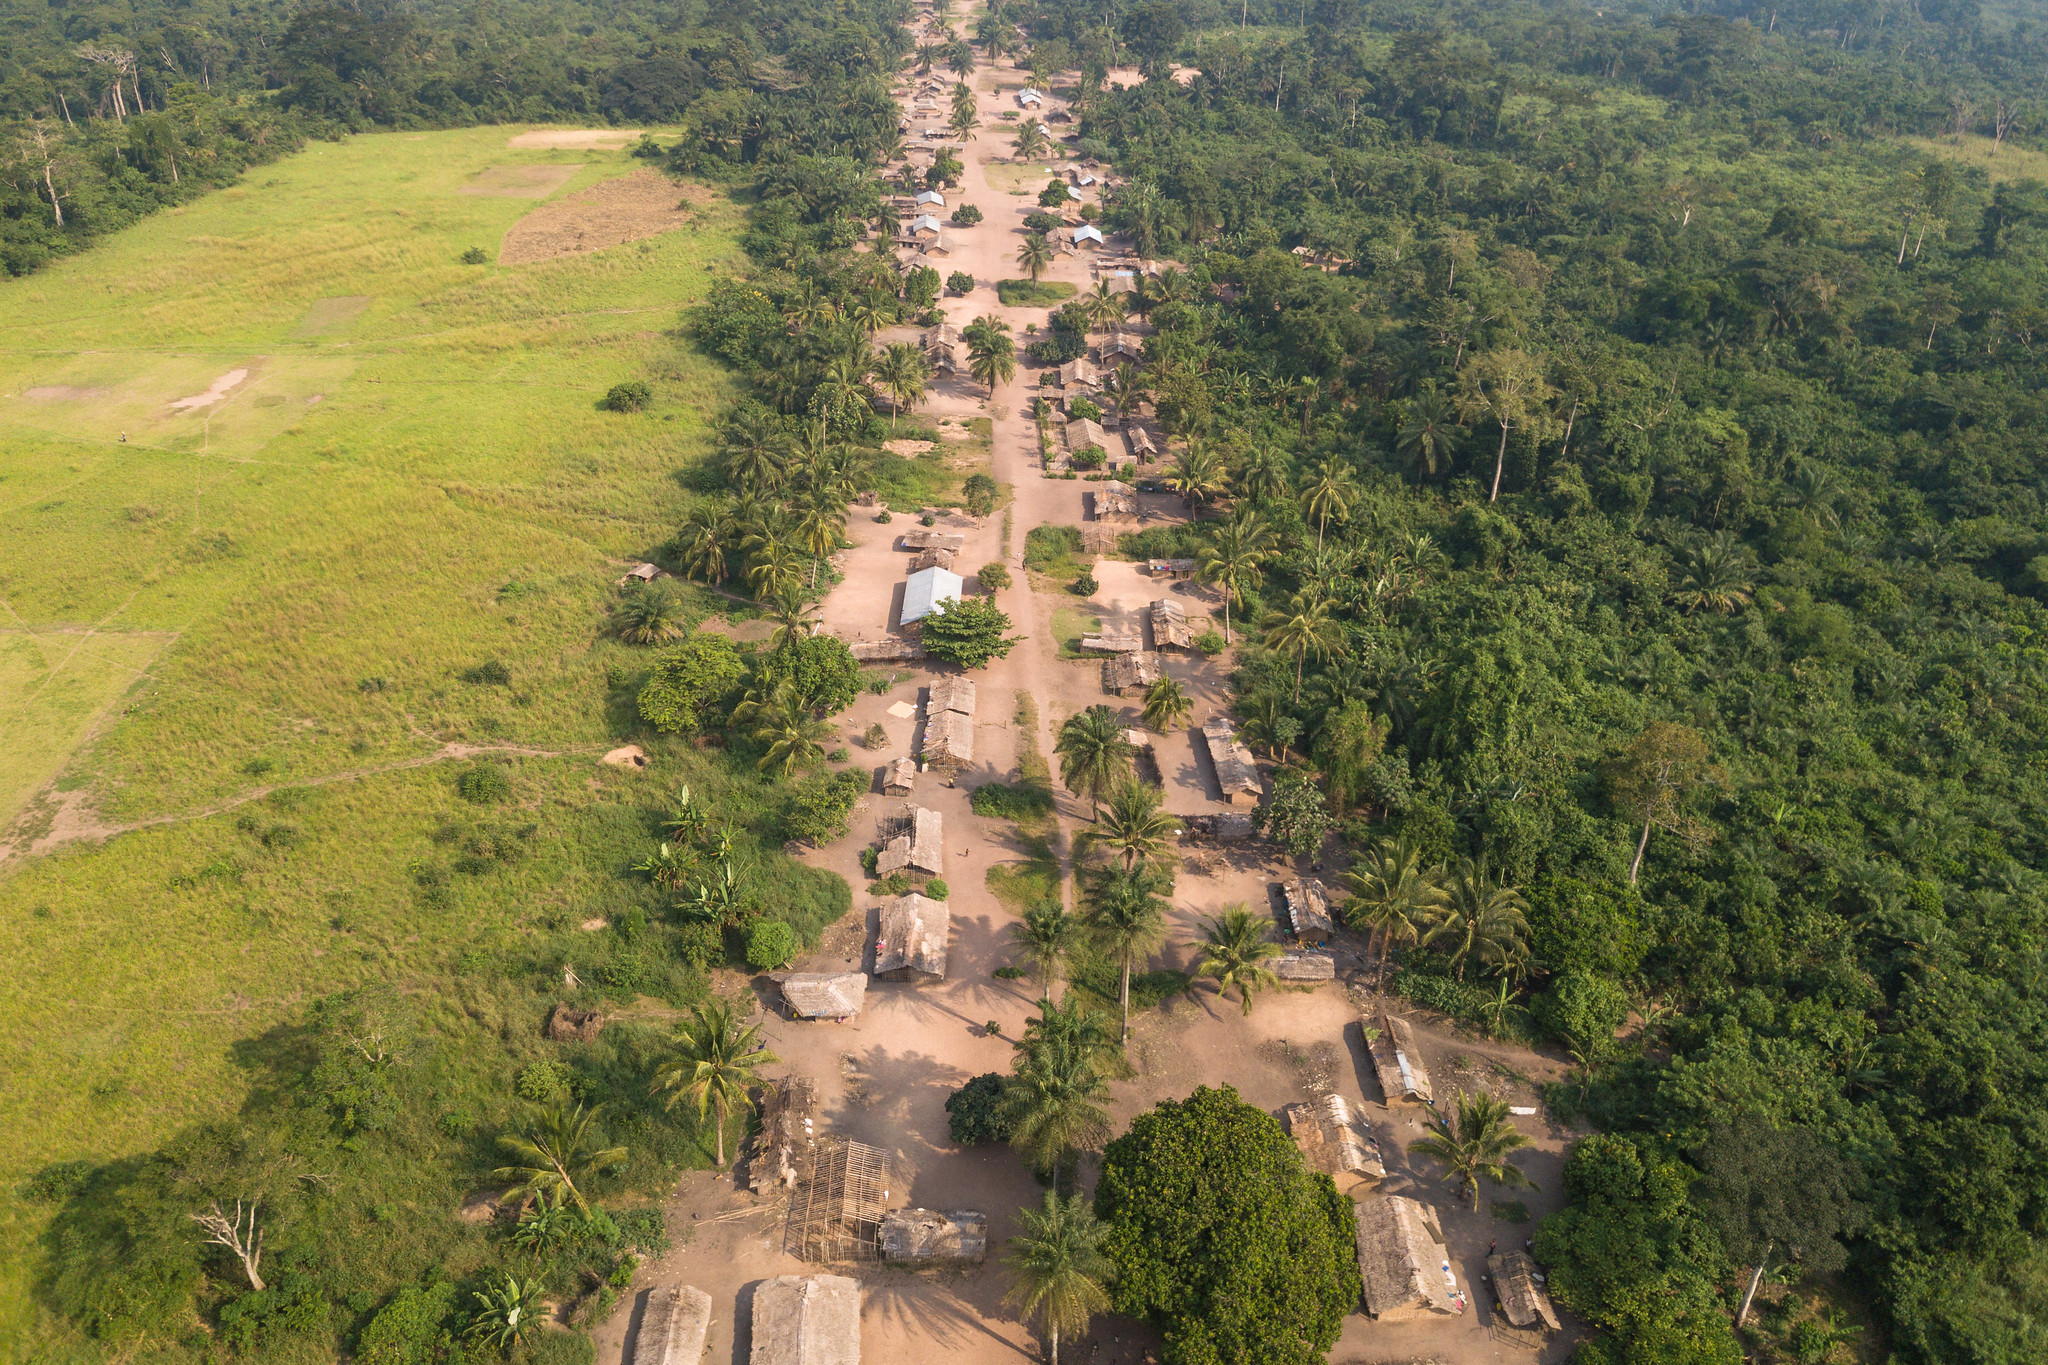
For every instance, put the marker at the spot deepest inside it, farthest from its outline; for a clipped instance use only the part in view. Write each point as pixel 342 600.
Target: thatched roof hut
pixel 1397 1063
pixel 1170 628
pixel 838 1206
pixel 807 1320
pixel 1523 1301
pixel 918 841
pixel 1308 910
pixel 1140 441
pixel 885 651
pixel 948 739
pixel 673 1329
pixel 912 945
pixel 1402 1259
pixel 1114 500
pixel 1083 432
pixel 1131 675
pixel 1335 1139
pixel 568 1023
pixel 825 995
pixel 939 557
pixel 926 1235
pixel 1114 642
pixel 1237 772
pixel 789 1130
pixel 1079 372
pixel 1304 966
pixel 950 694
pixel 901 779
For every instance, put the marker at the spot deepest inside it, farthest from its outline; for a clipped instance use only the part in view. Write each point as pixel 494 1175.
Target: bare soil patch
pixel 907 448
pixel 643 204
pixel 63 393
pixel 520 182
pixel 327 315
pixel 218 390
pixel 574 137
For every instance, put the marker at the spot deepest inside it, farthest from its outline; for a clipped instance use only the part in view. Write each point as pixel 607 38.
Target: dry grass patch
pixel 2010 162
pixel 573 137
pixel 627 209
pixel 519 182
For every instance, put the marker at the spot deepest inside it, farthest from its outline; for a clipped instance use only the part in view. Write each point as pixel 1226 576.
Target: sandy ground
pixel 883 1078
pixel 520 182
pixel 626 209
pixel 573 137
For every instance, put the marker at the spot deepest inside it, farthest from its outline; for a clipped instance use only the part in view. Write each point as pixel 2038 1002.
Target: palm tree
pixel 873 311
pixel 648 614
pixel 1262 473
pixel 1198 475
pixel 1428 436
pixel 1230 558
pixel 1125 387
pixel 1060 1268
pixel 903 371
pixel 820 522
pixel 1476 1144
pixel 1095 758
pixel 1075 1025
pixel 553 1156
pixel 1046 934
pixel 1106 306
pixel 1035 255
pixel 1715 575
pixel 1054 1102
pixel 1305 628
pixel 1030 141
pixel 507 1314
pixel 1332 491
pixel 1132 826
pixel 1166 705
pixel 714 1065
pixel 1393 892
pixel 780 721
pixel 754 449
pixel 1127 920
pixel 700 545
pixel 1479 915
pixel 1235 951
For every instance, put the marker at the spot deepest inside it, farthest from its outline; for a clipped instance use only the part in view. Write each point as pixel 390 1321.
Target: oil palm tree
pixel 991 354
pixel 700 545
pixel 795 619
pixel 873 311
pixel 1030 141
pixel 1332 490
pixel 1106 306
pixel 1235 951
pixel 1061 1272
pixel 554 1154
pixel 1475 1145
pixel 1125 386
pixel 780 721
pixel 1131 826
pixel 820 524
pixel 1046 935
pixel 648 614
pixel 1127 919
pixel 1715 574
pixel 1231 558
pixel 1394 892
pixel 1262 473
pixel 715 1062
pixel 1428 436
pixel 1198 475
pixel 1053 1102
pixel 754 449
pixel 902 370
pixel 1095 758
pixel 1166 705
pixel 1305 628
pixel 1034 255
pixel 1479 916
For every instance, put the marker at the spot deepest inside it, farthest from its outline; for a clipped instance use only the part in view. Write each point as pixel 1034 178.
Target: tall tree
pixel 1232 558
pixel 1307 628
pixel 1476 1144
pixel 1777 1189
pixel 1059 1268
pixel 1394 893
pixel 1046 934
pixel 1506 387
pixel 1234 949
pixel 1127 920
pixel 1652 777
pixel 1132 826
pixel 714 1064
pixel 1095 758
pixel 1481 916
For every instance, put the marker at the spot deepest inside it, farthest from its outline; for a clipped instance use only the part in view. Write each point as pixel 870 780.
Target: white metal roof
pixel 931 197
pixel 925 589
pixel 923 221
pixel 1088 232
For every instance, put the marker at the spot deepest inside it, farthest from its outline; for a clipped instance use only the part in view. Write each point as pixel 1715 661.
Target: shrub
pixel 489 673
pixel 979 493
pixel 1089 457
pixel 690 681
pixel 1033 293
pixel 821 668
pixel 1042 222
pixel 1010 973
pixel 1085 585
pixel 818 805
pixel 974 1111
pixel 937 889
pixel 1210 642
pixel 992 577
pixel 485 784
pixel 1081 408
pixel 1004 802
pixel 771 945
pixel 960 282
pixel 1045 547
pixel 631 396
pixel 699 946
pixel 545 1082
pixel 1583 1010
pixel 966 216
pixel 1054 194
pixel 875 738
pixel 476 255
pixel 412 1329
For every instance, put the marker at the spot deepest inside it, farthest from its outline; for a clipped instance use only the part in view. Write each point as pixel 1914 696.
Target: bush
pixel 1081 409
pixel 818 806
pixel 966 216
pixel 1089 457
pixel 489 673
pixel 1047 547
pixel 771 945
pixel 690 681
pixel 1033 293
pixel 631 396
pixel 1003 802
pixel 412 1329
pixel 974 1111
pixel 1054 194
pixel 485 784
pixel 1085 585
pixel 544 1082
pixel 476 255
pixel 1042 222
pixel 937 889
pixel 960 282
pixel 992 577
pixel 1210 642
pixel 1583 1010
pixel 699 946
pixel 979 493
pixel 821 668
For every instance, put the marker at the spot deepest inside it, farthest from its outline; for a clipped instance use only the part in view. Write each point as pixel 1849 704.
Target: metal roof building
pixel 925 589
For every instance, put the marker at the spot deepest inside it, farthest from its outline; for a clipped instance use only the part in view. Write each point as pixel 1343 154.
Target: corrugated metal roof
pixel 925 589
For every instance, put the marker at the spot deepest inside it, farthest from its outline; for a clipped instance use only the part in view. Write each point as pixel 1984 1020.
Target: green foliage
pixel 771 945
pixel 1580 926
pixel 1211 641
pixel 268 1319
pixel 993 577
pixel 631 396
pixel 818 806
pixel 1085 585
pixel 1053 550
pixel 821 668
pixel 1583 1011
pixel 974 1112
pixel 978 494
pixel 485 784
pixel 545 1083
pixel 1033 293
pixel 966 216
pixel 937 889
pixel 476 255
pixel 967 631
pixel 1296 817
pixel 412 1329
pixel 1222 1239
pixel 960 282
pixel 691 681
pixel 1001 801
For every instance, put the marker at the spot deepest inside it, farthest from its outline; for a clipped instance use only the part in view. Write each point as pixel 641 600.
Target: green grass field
pixel 285 588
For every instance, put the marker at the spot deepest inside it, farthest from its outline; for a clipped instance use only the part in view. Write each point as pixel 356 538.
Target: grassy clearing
pixel 1054 553
pixel 2008 163
pixel 1033 293
pixel 1011 177
pixel 1069 624
pixel 58 686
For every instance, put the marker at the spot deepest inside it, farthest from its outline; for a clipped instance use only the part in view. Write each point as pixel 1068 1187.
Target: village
pixel 854 1228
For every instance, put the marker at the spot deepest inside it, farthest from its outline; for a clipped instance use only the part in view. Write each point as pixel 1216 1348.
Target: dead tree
pixel 2004 119
pixel 34 142
pixel 122 63
pixel 246 1243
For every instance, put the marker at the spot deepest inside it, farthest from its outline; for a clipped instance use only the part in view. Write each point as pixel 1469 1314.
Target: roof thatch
pixel 1303 966
pixel 1237 772
pixel 938 557
pixel 1114 499
pixel 950 694
pixel 948 738
pixel 927 1235
pixel 1334 1139
pixel 1308 909
pixel 825 995
pixel 568 1023
pixel 919 841
pixel 673 1328
pixel 1114 642
pixel 789 1129
pixel 1129 675
pixel 1170 568
pixel 925 538
pixel 1522 1299
pixel 1079 371
pixel 913 939
pixel 643 573
pixel 807 1320
pixel 883 651
pixel 1083 432
pixel 1397 1063
pixel 1402 1258
pixel 1170 628
pixel 1224 829
pixel 902 777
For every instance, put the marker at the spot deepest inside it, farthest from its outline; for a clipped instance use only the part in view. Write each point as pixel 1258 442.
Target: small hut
pixel 1114 642
pixel 1170 628
pixel 885 651
pixel 1305 967
pixel 1308 910
pixel 568 1024
pixel 789 1132
pixel 938 557
pixel 642 573
pixel 1237 772
pixel 673 1329
pixel 1335 1140
pixel 807 1320
pixel 1084 432
pixel 901 778
pixel 1170 568
pixel 926 1236
pixel 1131 675
pixel 925 538
pixel 1402 1259
pixel 926 226
pixel 1140 442
pixel 1114 501
pixel 1121 346
pixel 948 739
pixel 912 946
pixel 824 995
pixel 917 841
pixel 1397 1063
pixel 1523 1300
pixel 1079 373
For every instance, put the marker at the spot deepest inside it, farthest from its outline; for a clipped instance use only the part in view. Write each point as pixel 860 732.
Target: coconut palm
pixel 1475 1145
pixel 1429 435
pixel 1231 558
pixel 700 545
pixel 1394 891
pixel 1132 826
pixel 714 1065
pixel 820 524
pixel 1166 705
pixel 557 1151
pixel 902 370
pixel 1198 475
pixel 1262 473
pixel 1332 490
pixel 1030 141
pixel 1479 915
pixel 1235 951
pixel 780 721
pixel 1715 574
pixel 1127 920
pixel 873 311
pixel 507 1314
pixel 1035 255
pixel 1106 305
pixel 1046 935
pixel 1305 628
pixel 1125 387
pixel 795 619
pixel 754 449
pixel 1095 758
pixel 1059 1267
pixel 648 614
